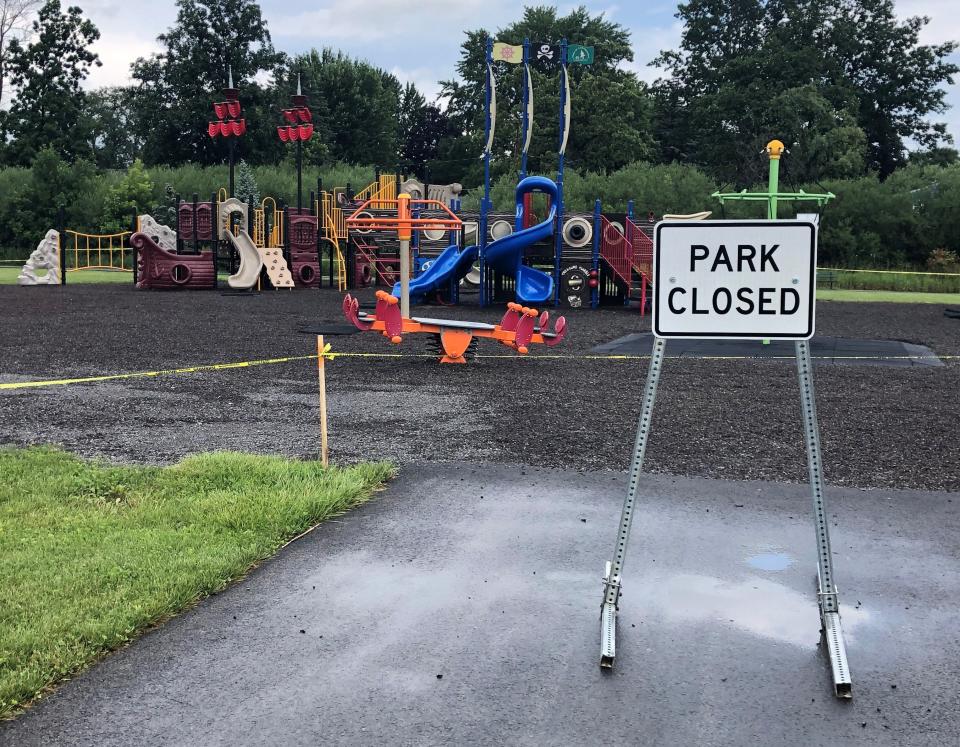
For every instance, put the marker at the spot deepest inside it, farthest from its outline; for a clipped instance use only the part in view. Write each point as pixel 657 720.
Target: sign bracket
pixel 831 628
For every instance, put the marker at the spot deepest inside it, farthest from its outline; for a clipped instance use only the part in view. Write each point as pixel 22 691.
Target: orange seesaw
pixel 520 327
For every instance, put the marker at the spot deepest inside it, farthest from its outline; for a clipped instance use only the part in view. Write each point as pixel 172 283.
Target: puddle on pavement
pixel 770 561
pixel 754 605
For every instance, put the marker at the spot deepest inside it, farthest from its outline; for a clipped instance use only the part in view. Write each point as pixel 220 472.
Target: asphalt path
pixel 462 607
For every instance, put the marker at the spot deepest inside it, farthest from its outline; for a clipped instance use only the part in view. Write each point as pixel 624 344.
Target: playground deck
pixel 882 427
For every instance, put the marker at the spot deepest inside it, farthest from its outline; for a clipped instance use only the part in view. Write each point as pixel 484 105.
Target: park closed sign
pixel 733 279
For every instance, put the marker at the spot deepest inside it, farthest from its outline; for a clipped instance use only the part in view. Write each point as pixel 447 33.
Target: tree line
pixel 843 83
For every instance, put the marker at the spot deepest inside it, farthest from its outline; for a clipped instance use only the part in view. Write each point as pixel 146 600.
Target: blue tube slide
pixel 506 255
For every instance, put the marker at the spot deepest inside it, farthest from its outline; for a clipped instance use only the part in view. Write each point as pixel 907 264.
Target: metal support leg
pixel 829 601
pixel 614 568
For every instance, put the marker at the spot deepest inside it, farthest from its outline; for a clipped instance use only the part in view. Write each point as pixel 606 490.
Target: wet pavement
pixel 462 605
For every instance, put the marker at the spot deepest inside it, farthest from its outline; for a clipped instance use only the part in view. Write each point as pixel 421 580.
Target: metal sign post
pixel 767 272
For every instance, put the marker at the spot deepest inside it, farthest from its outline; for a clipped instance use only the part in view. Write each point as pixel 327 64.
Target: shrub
pixel 132 195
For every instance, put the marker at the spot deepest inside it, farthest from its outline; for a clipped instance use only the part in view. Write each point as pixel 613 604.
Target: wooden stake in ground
pixel 322 381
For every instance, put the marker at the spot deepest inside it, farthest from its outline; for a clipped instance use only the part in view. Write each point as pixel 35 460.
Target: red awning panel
pixel 306 131
pixel 234 108
pixel 220 110
pixel 213 129
pixel 304 114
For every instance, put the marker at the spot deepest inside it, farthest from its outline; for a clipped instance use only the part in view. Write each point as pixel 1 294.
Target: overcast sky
pixel 419 41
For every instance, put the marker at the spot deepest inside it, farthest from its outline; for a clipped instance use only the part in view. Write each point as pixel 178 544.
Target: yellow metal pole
pixel 322 383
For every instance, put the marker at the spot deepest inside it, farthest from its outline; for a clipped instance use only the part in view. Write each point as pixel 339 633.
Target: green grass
pixel 8 276
pixel 882 296
pixel 93 554
pixel 893 281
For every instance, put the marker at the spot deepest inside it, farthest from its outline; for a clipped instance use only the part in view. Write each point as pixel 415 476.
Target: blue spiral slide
pixel 504 255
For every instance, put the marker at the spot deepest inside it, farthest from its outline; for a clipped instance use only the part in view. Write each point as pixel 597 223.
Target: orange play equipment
pixel 519 328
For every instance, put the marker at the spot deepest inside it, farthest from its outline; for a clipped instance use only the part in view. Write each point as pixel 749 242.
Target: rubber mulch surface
pixel 881 427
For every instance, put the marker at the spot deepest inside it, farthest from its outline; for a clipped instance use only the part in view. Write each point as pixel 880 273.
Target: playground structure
pixel 80 251
pixel 46 259
pixel 253 259
pixel 573 260
pixel 454 339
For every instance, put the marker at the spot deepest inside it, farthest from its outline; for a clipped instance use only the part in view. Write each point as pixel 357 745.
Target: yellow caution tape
pixel 329 355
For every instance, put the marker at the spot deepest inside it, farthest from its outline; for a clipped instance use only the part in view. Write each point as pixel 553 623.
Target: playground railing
pixel 260 224
pixel 642 258
pixel 90 251
pixel 383 189
pixel 617 251
pixel 393 222
pixel 642 248
pixel 333 228
pixel 367 192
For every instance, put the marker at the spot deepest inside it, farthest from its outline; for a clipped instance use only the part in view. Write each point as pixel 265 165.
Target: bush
pixel 672 188
pixel 132 195
pixel 943 260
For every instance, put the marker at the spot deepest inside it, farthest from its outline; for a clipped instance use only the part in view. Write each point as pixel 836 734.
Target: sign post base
pixel 829 604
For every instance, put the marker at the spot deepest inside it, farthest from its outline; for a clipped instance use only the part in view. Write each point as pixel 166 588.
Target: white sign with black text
pixel 735 279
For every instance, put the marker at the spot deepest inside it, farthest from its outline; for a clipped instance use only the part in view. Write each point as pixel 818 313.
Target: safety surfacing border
pixel 839 351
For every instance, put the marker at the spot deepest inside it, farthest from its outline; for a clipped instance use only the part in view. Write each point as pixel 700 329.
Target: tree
pixel 938 156
pixel 47 73
pixel 177 86
pixel 131 195
pixel 13 22
pixel 55 184
pixel 247 183
pixel 356 106
pixel 898 80
pixel 611 107
pixel 422 139
pixel 115 139
pixel 849 65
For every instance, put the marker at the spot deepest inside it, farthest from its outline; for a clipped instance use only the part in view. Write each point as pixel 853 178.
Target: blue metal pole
pixel 630 209
pixel 558 250
pixel 595 265
pixel 485 204
pixel 526 105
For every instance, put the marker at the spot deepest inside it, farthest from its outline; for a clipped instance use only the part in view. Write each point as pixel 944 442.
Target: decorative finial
pixel 299 91
pixel 230 76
